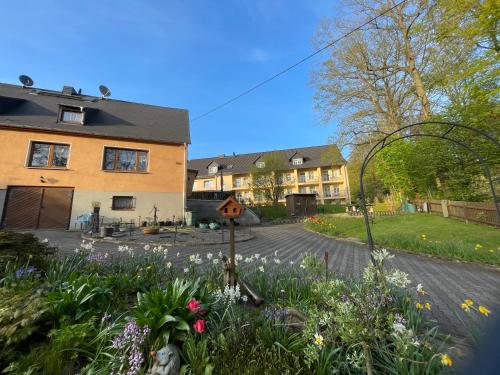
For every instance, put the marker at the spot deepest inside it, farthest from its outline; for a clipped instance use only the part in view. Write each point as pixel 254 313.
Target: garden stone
pixel 167 361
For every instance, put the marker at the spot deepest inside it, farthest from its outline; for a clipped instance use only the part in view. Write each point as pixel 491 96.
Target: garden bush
pixel 330 208
pixel 24 249
pixel 271 212
pixel 107 311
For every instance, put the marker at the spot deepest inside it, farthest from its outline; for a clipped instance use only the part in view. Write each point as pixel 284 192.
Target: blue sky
pixel 186 54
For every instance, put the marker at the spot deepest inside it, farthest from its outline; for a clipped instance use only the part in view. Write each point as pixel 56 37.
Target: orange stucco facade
pixel 162 185
pixel 166 164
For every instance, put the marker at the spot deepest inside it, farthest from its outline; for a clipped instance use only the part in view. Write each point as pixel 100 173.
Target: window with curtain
pixel 125 160
pixel 123 203
pixel 48 155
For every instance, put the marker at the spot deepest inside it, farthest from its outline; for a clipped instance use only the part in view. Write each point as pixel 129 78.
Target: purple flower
pixel 98 257
pixel 23 272
pixel 273 313
pixel 129 348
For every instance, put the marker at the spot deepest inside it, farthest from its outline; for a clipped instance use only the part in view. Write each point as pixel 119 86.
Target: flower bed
pixel 98 313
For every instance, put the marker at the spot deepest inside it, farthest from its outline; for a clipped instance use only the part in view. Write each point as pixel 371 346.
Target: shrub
pixel 331 208
pixel 23 249
pixel 270 212
pixel 23 313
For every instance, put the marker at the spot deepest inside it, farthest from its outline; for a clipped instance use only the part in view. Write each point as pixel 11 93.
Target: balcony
pixel 329 178
pixel 306 180
pixel 334 194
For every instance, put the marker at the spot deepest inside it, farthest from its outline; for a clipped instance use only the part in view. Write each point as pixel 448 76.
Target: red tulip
pixel 193 306
pixel 199 326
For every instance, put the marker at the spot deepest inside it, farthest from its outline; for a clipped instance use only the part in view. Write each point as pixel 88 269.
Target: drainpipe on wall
pixel 184 194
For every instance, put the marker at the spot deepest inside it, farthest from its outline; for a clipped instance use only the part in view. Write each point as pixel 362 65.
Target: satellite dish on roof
pixel 104 91
pixel 25 80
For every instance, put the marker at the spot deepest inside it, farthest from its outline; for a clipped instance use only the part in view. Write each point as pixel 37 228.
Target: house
pixel 319 170
pixel 63 151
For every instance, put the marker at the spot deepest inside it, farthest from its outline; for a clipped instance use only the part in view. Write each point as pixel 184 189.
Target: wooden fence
pixel 473 211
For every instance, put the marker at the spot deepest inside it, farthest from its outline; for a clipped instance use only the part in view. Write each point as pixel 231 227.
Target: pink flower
pixel 199 326
pixel 193 306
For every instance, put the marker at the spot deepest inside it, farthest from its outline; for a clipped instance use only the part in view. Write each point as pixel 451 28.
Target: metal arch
pixel 373 151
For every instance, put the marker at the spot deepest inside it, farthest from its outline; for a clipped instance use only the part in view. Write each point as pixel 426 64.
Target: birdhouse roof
pixel 228 201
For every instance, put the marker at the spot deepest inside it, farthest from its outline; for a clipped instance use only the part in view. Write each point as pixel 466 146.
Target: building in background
pixel 320 170
pixel 62 151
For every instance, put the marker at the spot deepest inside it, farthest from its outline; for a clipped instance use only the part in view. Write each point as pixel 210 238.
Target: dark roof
pixel 315 156
pixel 39 109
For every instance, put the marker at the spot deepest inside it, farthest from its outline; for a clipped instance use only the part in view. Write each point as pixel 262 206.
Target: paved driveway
pixel 448 283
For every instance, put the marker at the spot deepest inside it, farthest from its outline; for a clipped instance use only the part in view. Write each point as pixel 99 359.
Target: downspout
pixel 184 194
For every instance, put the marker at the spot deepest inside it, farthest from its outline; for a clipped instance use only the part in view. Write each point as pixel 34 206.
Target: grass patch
pixel 422 233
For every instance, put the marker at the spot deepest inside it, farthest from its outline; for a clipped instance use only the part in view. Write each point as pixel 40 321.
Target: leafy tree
pixel 267 177
pixel 423 60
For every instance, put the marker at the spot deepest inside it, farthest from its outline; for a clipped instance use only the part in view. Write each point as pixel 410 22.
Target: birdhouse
pixel 230 208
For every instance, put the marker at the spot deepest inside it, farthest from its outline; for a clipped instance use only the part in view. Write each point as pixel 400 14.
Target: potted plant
pixel 214 226
pixel 106 231
pixel 151 229
pixel 203 225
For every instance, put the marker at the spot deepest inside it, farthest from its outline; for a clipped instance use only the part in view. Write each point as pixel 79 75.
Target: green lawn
pixel 421 233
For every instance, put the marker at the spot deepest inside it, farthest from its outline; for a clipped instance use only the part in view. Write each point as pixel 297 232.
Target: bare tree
pixel 376 76
pixel 267 177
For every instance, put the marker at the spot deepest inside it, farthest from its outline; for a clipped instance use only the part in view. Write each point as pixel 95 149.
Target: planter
pixel 203 226
pixel 151 230
pixel 106 231
pixel 214 226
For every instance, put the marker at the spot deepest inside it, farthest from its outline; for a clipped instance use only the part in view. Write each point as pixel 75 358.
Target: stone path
pixel 448 283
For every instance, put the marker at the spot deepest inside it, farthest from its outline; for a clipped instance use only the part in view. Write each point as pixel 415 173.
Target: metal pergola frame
pixel 385 142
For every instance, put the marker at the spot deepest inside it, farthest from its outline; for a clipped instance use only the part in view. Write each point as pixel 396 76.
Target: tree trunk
pixel 411 64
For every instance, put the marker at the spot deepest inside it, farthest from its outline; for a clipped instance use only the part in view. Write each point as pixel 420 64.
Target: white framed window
pixel 302 177
pixel 213 169
pixel 260 164
pixel 326 192
pixel 336 189
pixel 311 175
pixel 336 172
pixel 312 190
pixel 237 182
pixel 297 161
pixel 70 114
pixel 302 190
pixel 207 184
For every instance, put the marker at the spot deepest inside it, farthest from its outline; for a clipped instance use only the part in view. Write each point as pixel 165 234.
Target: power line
pixel 262 83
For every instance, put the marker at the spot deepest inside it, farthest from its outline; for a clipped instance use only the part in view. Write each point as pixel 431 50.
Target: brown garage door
pixel 37 207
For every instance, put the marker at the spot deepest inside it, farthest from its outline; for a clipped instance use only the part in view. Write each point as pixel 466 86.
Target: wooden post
pixel 327 255
pixel 232 253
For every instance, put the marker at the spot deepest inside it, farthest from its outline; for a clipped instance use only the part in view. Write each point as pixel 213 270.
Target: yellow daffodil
pixel 490 250
pixel 483 310
pixel 469 302
pixel 419 306
pixel 427 305
pixel 424 237
pixel 318 339
pixel 149 268
pixel 446 360
pixel 478 246
pixel 465 307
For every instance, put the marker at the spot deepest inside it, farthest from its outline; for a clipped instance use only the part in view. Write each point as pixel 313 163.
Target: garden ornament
pixel 245 287
pixel 167 361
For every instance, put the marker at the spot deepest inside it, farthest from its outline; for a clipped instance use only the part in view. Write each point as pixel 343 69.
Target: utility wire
pixel 253 88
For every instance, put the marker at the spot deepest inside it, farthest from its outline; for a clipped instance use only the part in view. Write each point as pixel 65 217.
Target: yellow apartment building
pixel 319 170
pixel 62 151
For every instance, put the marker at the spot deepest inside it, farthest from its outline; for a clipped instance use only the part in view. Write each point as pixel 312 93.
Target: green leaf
pixel 182 325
